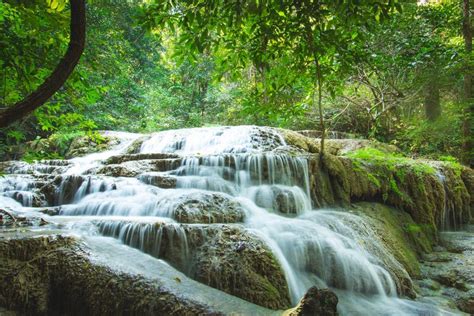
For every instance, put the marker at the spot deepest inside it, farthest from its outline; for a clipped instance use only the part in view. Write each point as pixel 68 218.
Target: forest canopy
pixel 398 72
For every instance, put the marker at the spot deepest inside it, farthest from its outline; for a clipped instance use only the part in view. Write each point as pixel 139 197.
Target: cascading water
pixel 245 173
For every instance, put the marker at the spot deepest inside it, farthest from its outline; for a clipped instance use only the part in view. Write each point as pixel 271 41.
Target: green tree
pixel 322 36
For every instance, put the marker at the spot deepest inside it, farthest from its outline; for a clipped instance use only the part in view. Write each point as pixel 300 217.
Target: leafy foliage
pixel 154 65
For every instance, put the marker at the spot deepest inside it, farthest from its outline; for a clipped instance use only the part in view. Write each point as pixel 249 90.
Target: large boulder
pixel 228 258
pixel 207 207
pixel 53 275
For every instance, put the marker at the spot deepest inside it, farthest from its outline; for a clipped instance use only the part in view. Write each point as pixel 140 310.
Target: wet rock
pixel 466 305
pixel 134 148
pixel 16 167
pixel 132 157
pixel 207 207
pixel 434 201
pixel 393 245
pixel 437 257
pixel 448 278
pixel 278 198
pixel 456 275
pixel 12 219
pixel 52 275
pixel 225 257
pixel 238 263
pixel 51 211
pixel 157 179
pixel 316 302
pixel 135 167
pixel 121 170
pixel 430 284
pixel 62 189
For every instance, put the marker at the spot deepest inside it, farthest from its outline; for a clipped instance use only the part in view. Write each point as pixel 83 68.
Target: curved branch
pixel 59 76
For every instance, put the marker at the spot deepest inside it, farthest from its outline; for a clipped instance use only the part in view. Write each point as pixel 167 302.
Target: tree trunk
pixel 318 81
pixel 432 103
pixel 468 90
pixel 322 125
pixel 59 76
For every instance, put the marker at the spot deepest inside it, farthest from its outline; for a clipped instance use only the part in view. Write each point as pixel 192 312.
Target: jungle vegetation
pixel 396 71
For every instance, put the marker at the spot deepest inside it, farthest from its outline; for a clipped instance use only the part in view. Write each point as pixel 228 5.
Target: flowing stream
pixel 247 166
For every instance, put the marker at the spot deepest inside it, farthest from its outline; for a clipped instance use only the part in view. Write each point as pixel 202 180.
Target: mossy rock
pixel 226 257
pixel 238 263
pixel 436 195
pixel 53 275
pixel 297 140
pixel 405 239
pixel 83 145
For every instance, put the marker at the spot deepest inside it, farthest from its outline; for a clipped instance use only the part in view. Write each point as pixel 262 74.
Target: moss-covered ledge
pixel 437 195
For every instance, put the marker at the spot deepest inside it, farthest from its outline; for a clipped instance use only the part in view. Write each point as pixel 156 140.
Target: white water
pixel 314 247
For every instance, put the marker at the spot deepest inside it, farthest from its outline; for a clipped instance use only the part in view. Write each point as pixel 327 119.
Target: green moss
pixel 394 187
pixel 413 228
pixel 374 179
pixel 453 163
pixel 399 233
pixel 391 161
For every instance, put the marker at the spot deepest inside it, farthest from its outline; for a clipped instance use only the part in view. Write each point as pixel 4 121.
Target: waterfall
pixel 226 175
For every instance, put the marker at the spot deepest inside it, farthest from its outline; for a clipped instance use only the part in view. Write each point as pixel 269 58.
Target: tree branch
pixel 59 76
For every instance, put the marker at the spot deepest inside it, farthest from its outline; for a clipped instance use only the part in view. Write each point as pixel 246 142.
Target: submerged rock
pixel 452 273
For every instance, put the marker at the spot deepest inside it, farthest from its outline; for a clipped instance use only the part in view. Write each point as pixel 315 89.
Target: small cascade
pixel 217 140
pixel 18 188
pixel 158 239
pixel 231 187
pixel 450 219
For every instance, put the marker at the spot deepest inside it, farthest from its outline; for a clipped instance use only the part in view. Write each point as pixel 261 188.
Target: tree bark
pixel 432 100
pixel 59 76
pixel 468 89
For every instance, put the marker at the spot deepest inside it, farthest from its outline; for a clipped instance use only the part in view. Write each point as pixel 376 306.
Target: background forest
pixel 397 78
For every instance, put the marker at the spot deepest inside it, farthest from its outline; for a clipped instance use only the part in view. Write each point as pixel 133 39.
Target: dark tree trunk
pixel 432 103
pixel 59 76
pixel 468 89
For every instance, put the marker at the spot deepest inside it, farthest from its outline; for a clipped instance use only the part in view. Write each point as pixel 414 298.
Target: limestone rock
pixel 53 275
pixel 207 207
pixel 83 145
pixel 158 179
pixel 316 302
pixel 225 257
pixel 132 157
